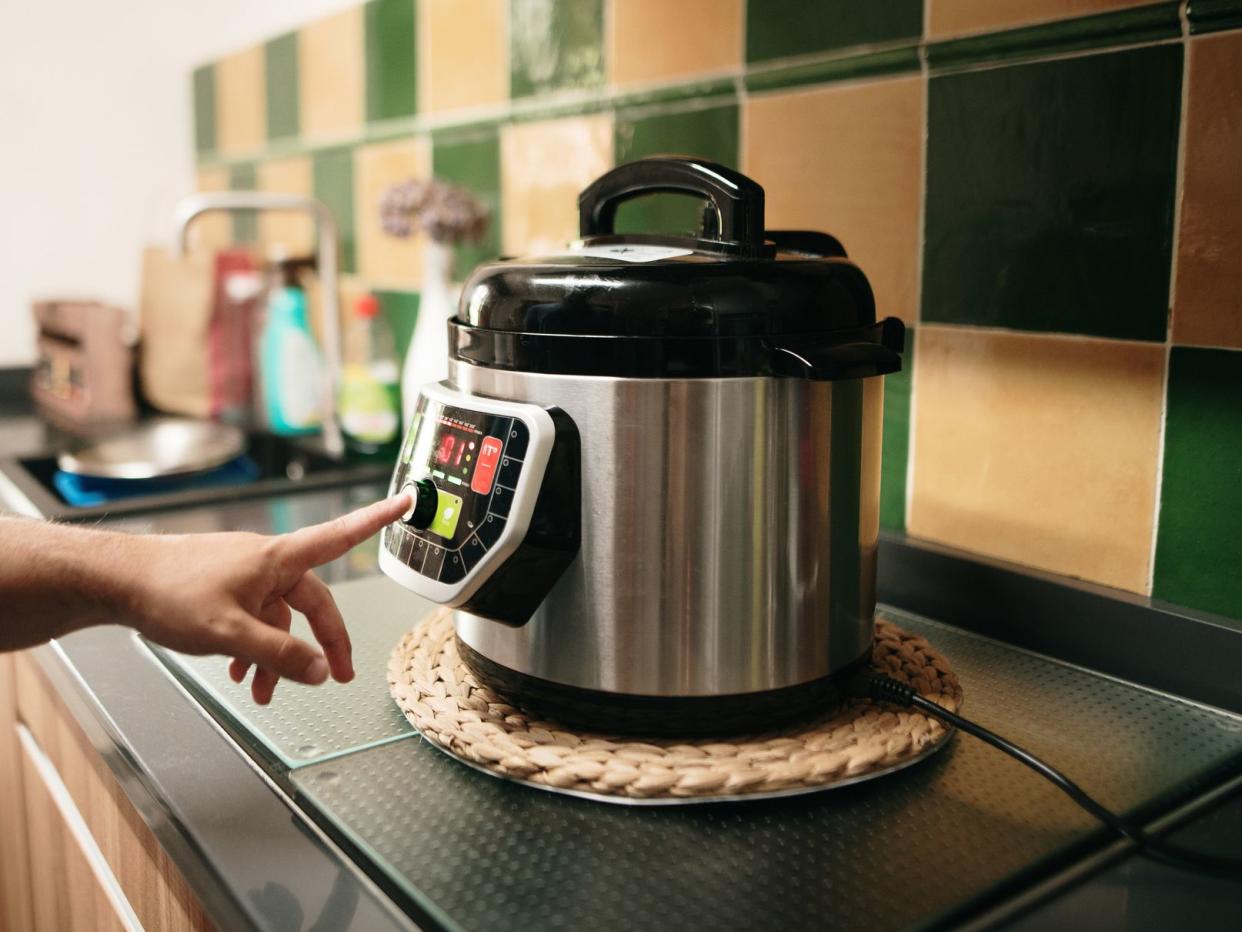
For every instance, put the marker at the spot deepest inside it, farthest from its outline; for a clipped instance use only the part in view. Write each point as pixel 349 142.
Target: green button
pixel 449 511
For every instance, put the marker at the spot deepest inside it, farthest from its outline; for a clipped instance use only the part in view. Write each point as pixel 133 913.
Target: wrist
pixel 121 569
pixel 107 568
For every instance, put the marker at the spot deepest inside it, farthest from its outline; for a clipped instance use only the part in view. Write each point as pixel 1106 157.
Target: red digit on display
pixel 444 453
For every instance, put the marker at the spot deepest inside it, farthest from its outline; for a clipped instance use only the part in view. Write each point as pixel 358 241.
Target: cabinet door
pixel 73 889
pixel 14 871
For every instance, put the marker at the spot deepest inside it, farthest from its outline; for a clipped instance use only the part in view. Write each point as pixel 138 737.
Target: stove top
pixel 271 466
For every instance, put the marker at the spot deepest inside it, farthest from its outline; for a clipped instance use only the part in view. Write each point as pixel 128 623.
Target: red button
pixel 485 469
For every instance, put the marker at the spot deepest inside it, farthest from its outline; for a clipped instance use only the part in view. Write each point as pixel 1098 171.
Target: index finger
pixel 321 543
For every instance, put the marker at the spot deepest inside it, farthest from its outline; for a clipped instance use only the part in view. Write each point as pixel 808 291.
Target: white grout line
pixel 1178 192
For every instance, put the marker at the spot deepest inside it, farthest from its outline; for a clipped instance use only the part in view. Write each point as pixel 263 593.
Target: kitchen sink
pixel 275 466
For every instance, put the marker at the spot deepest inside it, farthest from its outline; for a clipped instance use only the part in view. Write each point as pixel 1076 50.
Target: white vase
pixel 426 360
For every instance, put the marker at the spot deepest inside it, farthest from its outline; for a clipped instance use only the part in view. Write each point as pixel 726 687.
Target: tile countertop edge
pixel 176 766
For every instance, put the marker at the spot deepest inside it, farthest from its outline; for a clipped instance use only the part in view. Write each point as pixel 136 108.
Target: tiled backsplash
pixel 1048 192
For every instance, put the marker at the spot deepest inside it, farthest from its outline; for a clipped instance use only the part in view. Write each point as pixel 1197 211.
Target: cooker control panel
pixel 493 519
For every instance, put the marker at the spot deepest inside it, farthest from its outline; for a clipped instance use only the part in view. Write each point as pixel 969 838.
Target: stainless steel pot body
pixel 729 533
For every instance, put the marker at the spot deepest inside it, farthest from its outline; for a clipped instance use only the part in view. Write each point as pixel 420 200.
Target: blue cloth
pixel 88 491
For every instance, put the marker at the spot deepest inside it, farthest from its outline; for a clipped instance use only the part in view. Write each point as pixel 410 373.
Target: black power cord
pixel 885 689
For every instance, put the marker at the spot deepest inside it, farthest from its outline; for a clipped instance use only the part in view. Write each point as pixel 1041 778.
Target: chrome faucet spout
pixel 327 253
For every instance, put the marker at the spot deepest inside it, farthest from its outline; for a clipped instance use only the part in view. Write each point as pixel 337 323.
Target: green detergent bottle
pixel 369 400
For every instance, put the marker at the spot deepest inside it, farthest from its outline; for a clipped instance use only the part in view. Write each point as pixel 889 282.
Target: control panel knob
pixel 424 502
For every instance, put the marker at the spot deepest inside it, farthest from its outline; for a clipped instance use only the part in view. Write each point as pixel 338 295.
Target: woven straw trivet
pixel 442 699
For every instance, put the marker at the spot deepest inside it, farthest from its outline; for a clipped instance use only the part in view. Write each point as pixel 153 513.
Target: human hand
pixel 232 594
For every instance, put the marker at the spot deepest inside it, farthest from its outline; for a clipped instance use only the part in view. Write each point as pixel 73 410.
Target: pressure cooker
pixel 650 484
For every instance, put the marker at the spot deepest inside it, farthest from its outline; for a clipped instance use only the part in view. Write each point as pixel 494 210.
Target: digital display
pixel 453 449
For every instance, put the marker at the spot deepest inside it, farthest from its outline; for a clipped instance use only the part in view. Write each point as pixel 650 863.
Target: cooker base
pixel 660 716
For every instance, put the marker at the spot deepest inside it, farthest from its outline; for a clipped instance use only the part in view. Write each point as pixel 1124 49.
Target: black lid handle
pixel 737 200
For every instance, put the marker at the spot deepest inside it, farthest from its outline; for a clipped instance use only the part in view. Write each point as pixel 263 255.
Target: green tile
pixel 555 45
pixel 333 173
pixel 473 163
pixel 1121 27
pixel 401 311
pixel 780 28
pixel 1211 15
pixel 896 456
pixel 710 133
pixel 391 77
pixel 1198 545
pixel 1050 194
pixel 280 62
pixel 245 222
pixel 205 109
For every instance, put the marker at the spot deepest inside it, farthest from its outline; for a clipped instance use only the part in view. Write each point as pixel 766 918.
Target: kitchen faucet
pixel 326 261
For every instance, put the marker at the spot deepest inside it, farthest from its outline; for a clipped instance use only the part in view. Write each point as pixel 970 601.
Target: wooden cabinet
pixel 72 888
pixel 15 907
pixel 74 853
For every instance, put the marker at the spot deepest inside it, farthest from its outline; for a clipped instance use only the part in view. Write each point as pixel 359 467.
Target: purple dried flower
pixel 445 212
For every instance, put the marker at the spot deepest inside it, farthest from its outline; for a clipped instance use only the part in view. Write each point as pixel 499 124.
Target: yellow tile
pixel 654 40
pixel 241 102
pixel 212 230
pixel 385 260
pixel 463 54
pixel 290 233
pixel 963 17
pixel 543 167
pixel 331 76
pixel 847 160
pixel 1038 449
pixel 1206 304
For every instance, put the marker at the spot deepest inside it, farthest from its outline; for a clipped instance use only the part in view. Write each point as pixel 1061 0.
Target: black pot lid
pixel 734 300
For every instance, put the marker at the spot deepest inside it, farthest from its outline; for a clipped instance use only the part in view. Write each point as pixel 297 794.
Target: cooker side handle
pixel 873 350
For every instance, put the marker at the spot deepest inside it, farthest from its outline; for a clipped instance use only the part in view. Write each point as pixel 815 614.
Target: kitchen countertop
pixel 259 856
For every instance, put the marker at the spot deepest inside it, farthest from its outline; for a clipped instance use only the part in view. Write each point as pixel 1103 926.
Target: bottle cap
pixel 367 305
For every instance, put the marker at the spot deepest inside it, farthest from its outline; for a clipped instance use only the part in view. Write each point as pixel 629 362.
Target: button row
pixel 434 562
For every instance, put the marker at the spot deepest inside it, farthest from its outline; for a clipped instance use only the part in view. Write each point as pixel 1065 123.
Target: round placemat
pixel 857 741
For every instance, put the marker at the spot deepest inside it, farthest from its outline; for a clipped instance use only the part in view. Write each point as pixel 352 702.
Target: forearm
pixel 56 579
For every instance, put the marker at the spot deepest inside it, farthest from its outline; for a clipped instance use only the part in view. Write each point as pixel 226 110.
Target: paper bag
pixel 175 317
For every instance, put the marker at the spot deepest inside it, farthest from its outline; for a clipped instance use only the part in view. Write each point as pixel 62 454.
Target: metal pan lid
pixel 160 447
